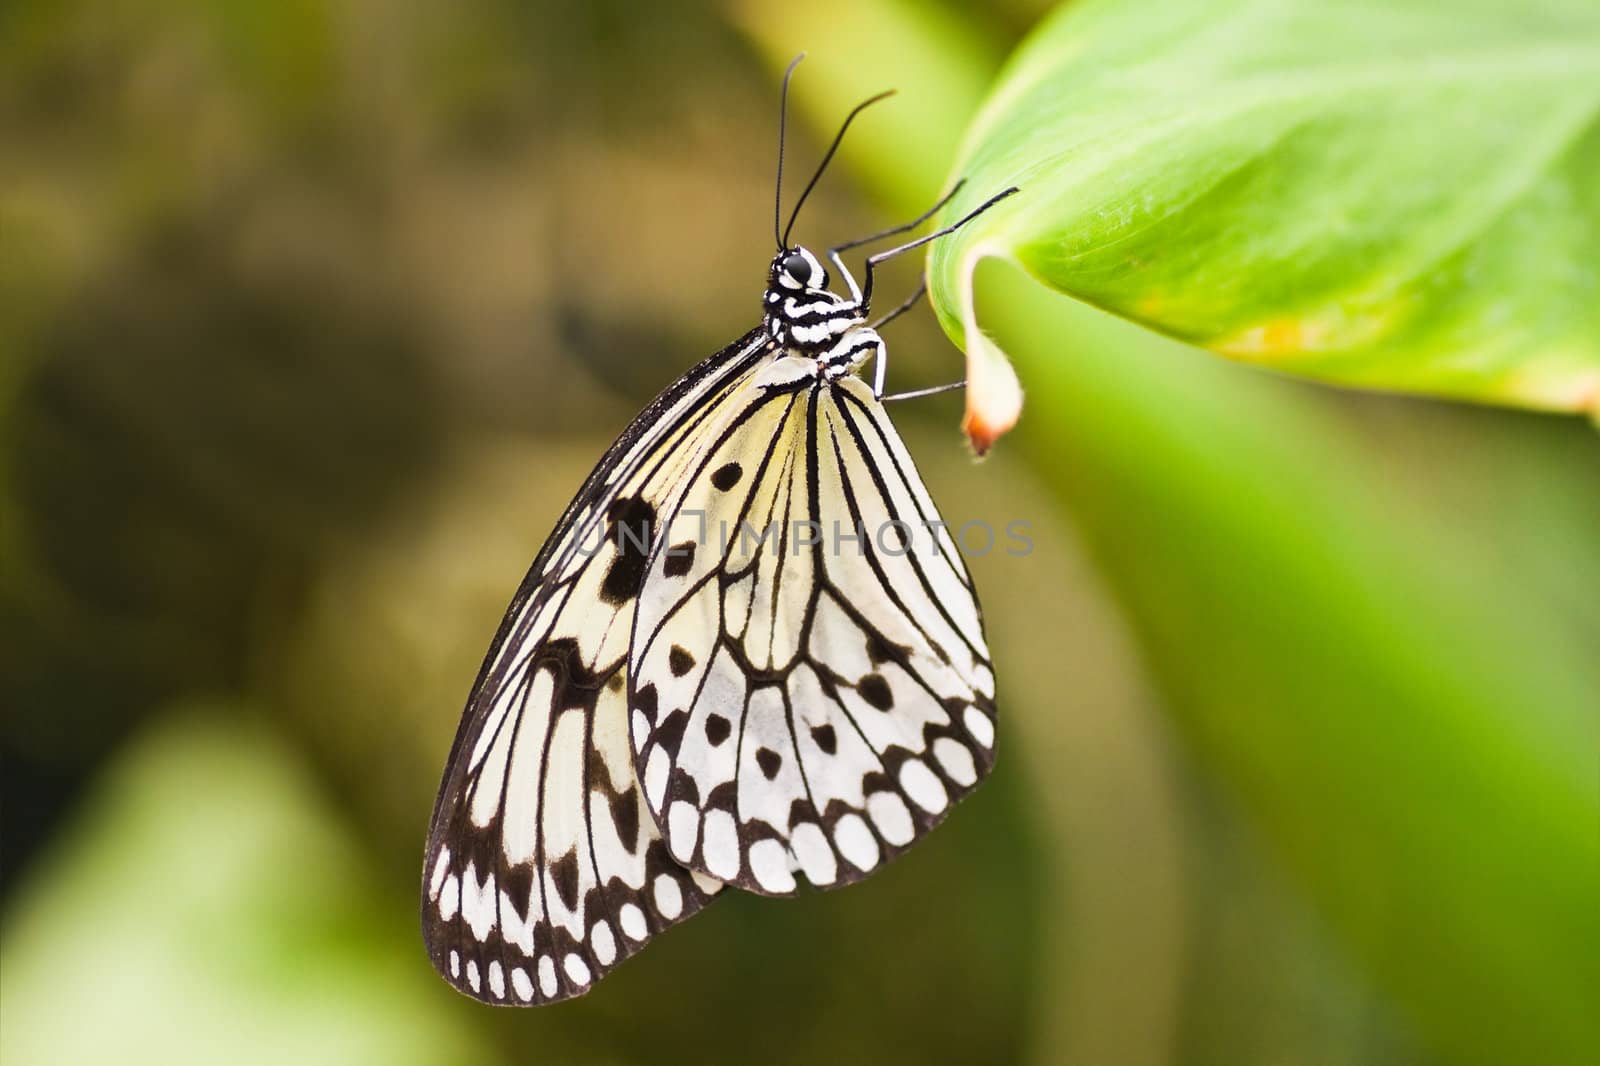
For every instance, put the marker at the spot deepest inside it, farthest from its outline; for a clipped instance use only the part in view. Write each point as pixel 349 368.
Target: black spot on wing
pixel 517 883
pixel 802 810
pixel 475 847
pixel 769 761
pixel 679 559
pixel 727 476
pixel 576 686
pixel 564 872
pixel 680 786
pixel 880 651
pixel 669 734
pixel 631 526
pixel 679 661
pixel 604 778
pixel 725 797
pixel 878 781
pixel 826 739
pixel 644 701
pixel 625 813
pixel 717 729
pixel 875 690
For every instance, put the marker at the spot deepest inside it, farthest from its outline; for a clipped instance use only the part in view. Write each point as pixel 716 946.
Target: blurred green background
pixel 314 315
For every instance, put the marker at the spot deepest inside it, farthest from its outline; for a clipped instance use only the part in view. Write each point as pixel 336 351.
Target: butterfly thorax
pixel 805 318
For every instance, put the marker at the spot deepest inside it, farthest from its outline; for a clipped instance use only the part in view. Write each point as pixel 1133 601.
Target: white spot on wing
pixel 979 726
pixel 956 760
pixel 455 963
pixel 478 902
pixel 497 980
pixel 669 897
pixel 633 923
pixel 721 847
pixel 441 867
pixel 856 842
pixel 512 927
pixel 472 975
pixel 770 864
pixel 683 829
pixel 811 847
pixel 893 819
pixel 655 778
pixel 603 943
pixel 522 984
pixel 450 897
pixel 547 976
pixel 923 786
pixel 577 969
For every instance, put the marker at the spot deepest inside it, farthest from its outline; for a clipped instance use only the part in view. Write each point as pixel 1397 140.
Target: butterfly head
pixel 802 314
pixel 796 270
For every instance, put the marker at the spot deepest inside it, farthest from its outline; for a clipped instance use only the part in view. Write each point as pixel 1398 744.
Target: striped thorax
pixel 805 317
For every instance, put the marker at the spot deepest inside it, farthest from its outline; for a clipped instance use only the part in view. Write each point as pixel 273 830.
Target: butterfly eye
pixel 798 268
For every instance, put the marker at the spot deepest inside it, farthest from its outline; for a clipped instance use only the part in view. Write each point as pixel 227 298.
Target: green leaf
pixel 1391 194
pixel 1386 667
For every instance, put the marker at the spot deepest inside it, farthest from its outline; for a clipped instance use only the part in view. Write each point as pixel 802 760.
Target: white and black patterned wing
pixel 543 868
pixel 806 703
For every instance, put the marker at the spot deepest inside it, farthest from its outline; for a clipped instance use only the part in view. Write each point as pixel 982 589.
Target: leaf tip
pixel 994 395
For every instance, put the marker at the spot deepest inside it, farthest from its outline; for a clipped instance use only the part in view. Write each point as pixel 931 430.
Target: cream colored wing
pixel 809 683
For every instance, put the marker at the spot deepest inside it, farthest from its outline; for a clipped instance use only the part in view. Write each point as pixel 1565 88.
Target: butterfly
pixel 748 654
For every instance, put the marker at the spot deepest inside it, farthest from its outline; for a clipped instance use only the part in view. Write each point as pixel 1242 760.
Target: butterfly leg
pixel 874 260
pixel 880 367
pixel 932 390
pixel 905 227
pixel 849 278
pixel 911 301
pixel 844 271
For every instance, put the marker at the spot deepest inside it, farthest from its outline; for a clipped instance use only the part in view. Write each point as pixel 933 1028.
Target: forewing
pixel 810 698
pixel 543 867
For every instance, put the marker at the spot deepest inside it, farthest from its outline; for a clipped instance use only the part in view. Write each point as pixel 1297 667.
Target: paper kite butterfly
pixel 748 654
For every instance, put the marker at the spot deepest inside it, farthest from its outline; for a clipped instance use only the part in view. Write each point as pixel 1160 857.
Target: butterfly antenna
pixel 832 148
pixel 783 119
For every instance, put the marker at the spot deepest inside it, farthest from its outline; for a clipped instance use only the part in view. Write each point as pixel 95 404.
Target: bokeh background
pixel 312 317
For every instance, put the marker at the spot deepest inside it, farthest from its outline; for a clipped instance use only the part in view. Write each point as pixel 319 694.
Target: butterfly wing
pixel 543 868
pixel 806 702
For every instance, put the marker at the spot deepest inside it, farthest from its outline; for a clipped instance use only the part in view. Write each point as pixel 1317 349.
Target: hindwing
pixel 809 686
